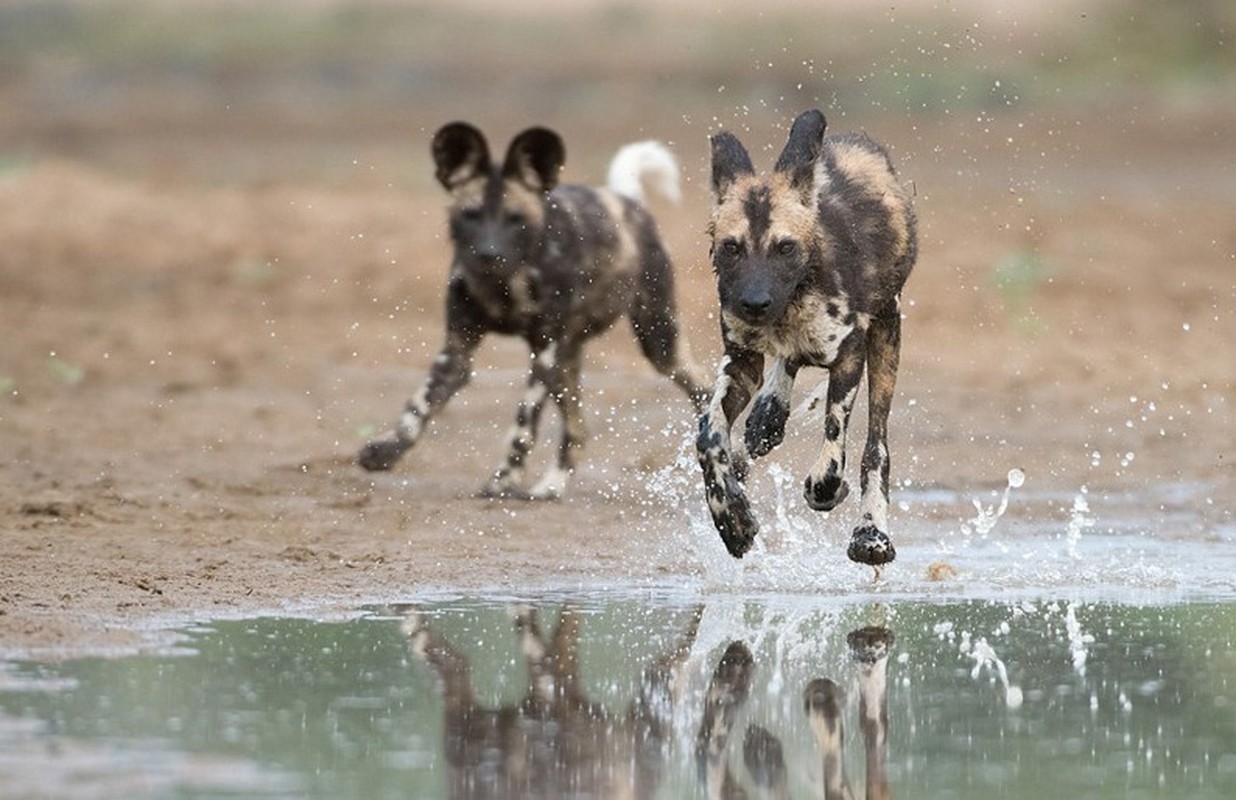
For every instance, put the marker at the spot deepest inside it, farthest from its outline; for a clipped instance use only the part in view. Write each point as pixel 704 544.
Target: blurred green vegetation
pixel 66 371
pixel 1018 277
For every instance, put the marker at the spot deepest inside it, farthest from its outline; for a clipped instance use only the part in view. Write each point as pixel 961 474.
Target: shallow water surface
pixel 663 695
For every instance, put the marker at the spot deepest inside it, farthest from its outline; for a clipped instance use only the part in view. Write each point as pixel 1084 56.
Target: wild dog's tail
pixel 644 164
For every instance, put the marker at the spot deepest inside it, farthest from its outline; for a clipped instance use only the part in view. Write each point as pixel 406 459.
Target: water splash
pixel 1078 642
pixel 1079 521
pixel 986 518
pixel 984 656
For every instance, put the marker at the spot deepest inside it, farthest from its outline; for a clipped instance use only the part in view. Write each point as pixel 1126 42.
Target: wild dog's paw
pixel 551 486
pixel 870 545
pixel 868 645
pixel 766 425
pixel 503 485
pixel 381 455
pixel 738 530
pixel 826 493
pixel 496 491
pixel 732 516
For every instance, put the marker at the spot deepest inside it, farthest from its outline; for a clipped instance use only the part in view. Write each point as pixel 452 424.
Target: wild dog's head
pixel 765 230
pixel 498 215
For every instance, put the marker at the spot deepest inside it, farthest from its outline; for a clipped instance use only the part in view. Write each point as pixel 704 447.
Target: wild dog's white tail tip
pixel 644 164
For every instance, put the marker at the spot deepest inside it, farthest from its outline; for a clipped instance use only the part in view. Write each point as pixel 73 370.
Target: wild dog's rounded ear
pixel 802 149
pixel 461 154
pixel 729 161
pixel 535 158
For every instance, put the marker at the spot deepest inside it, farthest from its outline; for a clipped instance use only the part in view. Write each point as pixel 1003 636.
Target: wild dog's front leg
pixel 522 435
pixel 566 393
pixel 825 486
pixel 771 409
pixel 451 370
pixel 870 543
pixel 727 502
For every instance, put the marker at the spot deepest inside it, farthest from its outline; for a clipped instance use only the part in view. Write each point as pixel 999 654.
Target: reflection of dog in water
pixel 555 742
pixel 762 752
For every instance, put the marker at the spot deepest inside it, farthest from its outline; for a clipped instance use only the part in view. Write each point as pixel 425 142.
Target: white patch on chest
pixel 806 330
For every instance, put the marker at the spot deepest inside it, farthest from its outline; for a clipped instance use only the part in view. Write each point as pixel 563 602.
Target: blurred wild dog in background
pixel 810 262
pixel 555 265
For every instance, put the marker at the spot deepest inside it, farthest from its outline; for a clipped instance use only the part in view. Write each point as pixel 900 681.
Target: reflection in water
pixel 763 754
pixel 556 741
pixel 764 697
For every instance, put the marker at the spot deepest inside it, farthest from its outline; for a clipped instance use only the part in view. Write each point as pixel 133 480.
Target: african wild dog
pixel 810 262
pixel 555 265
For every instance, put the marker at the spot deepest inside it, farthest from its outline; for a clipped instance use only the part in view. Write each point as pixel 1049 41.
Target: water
pixel 1018 697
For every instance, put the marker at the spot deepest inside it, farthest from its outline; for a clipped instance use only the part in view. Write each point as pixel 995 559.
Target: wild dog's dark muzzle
pixel 488 244
pixel 753 299
pixel 754 304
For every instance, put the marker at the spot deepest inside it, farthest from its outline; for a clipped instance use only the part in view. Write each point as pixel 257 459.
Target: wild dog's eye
pixel 470 214
pixel 730 247
pixel 787 248
pixel 515 219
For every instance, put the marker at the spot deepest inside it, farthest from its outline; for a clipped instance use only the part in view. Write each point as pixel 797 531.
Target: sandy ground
pixel 189 364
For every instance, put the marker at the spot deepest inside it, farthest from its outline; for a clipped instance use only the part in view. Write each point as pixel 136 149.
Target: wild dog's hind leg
pixel 771 408
pixel 870 543
pixel 825 486
pixel 522 435
pixel 741 372
pixel 451 370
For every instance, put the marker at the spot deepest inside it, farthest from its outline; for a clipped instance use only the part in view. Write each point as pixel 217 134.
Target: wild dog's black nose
pixel 487 250
pixel 755 303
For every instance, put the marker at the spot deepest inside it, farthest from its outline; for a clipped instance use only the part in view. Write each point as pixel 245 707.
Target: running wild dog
pixel 555 265
pixel 810 262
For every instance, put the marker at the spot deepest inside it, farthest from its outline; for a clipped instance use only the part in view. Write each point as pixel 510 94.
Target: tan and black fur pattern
pixel 810 263
pixel 556 742
pixel 555 265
